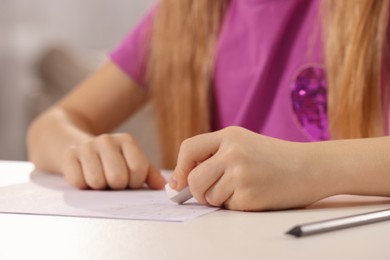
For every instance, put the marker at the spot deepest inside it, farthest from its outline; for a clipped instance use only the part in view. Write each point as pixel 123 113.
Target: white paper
pixel 48 194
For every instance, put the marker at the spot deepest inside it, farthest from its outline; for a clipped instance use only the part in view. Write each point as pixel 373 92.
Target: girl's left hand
pixel 242 170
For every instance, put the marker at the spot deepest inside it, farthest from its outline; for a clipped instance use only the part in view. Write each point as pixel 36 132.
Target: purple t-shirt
pixel 268 69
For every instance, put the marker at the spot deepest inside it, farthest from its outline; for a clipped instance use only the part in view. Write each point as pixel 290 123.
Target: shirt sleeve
pixel 132 53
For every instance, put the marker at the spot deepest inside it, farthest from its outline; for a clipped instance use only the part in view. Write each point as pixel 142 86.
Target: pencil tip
pixel 295 231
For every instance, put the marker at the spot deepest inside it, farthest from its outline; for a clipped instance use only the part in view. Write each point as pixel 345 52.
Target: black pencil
pixel 339 223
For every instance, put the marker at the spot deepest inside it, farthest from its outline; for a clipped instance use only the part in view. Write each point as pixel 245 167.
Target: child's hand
pixel 110 161
pixel 241 170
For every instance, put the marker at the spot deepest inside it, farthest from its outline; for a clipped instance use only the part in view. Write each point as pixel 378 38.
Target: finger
pixel 115 168
pixel 92 167
pixel 154 179
pixel 234 202
pixel 193 151
pixel 204 176
pixel 136 161
pixel 222 190
pixel 72 171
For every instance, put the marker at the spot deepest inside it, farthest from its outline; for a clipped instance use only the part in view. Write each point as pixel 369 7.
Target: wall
pixel 27 28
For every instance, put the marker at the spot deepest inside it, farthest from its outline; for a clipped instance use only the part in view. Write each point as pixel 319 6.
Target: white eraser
pixel 178 196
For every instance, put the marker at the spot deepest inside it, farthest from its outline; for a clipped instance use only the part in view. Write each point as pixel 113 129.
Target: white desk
pixel 219 235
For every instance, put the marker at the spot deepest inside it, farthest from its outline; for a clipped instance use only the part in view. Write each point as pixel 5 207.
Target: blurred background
pixel 46 48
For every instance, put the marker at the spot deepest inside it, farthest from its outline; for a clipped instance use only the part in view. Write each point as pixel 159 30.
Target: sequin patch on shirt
pixel 308 96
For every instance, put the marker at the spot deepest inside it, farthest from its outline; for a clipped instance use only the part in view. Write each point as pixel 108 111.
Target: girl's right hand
pixel 112 161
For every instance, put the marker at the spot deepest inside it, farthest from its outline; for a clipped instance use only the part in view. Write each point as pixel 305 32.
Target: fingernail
pixel 173 183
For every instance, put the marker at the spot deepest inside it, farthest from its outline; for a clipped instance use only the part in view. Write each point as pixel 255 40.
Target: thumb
pixel 155 180
pixel 178 180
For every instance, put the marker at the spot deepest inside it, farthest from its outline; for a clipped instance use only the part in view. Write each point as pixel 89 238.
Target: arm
pixel 69 138
pixel 242 170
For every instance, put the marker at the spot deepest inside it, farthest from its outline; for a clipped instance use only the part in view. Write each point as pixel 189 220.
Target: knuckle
pixel 70 152
pixel 231 130
pixel 232 153
pixel 235 173
pixel 85 148
pixel 104 137
pixel 184 146
pixel 238 175
pixel 126 138
pixel 104 140
pixel 187 145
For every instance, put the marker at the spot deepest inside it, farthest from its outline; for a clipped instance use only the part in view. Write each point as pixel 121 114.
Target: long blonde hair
pixel 355 45
pixel 181 65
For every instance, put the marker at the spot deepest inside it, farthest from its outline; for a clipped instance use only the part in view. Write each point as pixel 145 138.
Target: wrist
pixel 317 163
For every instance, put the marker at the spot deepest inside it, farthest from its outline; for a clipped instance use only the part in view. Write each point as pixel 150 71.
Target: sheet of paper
pixel 48 194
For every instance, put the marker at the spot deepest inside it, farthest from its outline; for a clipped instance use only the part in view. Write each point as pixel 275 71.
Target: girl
pixel 240 88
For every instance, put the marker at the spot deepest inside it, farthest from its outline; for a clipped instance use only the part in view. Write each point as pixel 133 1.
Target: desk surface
pixel 219 235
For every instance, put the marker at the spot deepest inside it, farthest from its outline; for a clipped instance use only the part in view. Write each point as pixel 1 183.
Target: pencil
pixel 339 223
